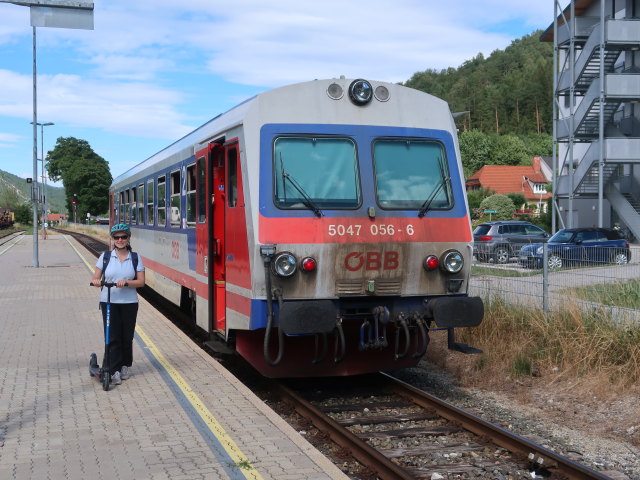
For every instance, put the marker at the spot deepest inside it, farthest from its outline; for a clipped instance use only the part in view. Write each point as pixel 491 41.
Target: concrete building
pixel 596 113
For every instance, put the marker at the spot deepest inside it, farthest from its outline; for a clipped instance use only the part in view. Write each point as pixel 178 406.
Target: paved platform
pixel 180 416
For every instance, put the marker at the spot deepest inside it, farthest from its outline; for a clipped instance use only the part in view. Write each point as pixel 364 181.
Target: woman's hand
pixel 122 283
pixel 96 282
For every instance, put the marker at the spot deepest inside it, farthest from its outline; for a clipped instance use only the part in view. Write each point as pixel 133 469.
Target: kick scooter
pixel 103 374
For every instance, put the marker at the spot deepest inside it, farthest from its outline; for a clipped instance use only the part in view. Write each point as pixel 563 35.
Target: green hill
pixel 14 189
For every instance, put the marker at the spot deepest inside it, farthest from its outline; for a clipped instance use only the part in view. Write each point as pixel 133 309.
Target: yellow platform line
pixel 232 449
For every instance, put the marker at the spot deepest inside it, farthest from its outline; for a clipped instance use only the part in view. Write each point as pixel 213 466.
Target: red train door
pixel 210 233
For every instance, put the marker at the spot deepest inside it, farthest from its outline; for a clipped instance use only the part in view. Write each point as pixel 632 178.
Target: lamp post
pixel 44 178
pixel 59 14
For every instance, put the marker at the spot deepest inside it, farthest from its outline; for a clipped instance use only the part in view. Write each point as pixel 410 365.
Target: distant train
pixel 317 229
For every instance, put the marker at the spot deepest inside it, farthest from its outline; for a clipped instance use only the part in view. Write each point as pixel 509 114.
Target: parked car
pixel 499 241
pixel 578 246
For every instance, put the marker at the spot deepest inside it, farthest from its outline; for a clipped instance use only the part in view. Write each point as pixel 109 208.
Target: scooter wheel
pixel 106 379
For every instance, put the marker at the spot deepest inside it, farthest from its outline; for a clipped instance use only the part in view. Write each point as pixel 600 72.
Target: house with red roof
pixel 529 181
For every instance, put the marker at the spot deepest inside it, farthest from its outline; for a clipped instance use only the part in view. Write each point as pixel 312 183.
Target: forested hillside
pixel 15 191
pixel 510 92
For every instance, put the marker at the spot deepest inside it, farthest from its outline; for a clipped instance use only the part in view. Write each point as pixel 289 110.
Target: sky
pixel 151 71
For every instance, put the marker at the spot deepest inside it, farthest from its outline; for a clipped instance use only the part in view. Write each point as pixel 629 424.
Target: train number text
pixel 382 229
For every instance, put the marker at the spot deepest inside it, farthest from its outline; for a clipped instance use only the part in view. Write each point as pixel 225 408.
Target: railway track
pixel 400 432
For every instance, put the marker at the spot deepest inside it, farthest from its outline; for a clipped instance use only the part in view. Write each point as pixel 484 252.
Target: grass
pixel 590 350
pixel 503 272
pixel 620 294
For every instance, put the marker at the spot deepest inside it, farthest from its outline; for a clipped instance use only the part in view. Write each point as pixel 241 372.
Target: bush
pixel 502 204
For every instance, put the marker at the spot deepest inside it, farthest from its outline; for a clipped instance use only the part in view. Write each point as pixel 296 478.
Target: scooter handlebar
pixel 108 284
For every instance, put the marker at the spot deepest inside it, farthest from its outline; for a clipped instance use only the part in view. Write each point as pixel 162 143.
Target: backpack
pixel 107 257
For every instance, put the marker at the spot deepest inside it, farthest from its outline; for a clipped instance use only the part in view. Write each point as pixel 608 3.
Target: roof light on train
pixel 284 264
pixel 360 92
pixel 308 264
pixel 452 261
pixel 431 263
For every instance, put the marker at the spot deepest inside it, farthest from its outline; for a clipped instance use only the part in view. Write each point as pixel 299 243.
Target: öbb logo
pixel 355 261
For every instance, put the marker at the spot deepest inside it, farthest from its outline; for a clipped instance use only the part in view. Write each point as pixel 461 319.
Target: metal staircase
pixel 629 212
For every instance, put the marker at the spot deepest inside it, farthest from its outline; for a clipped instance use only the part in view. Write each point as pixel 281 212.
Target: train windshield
pixel 316 173
pixel 411 174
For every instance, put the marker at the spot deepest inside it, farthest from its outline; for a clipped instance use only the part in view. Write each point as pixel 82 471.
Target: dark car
pixel 578 246
pixel 500 240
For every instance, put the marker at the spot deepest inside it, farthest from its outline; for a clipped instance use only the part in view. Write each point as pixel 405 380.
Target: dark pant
pixel 122 326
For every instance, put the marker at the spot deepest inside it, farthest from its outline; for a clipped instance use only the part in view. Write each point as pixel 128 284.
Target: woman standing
pixel 124 268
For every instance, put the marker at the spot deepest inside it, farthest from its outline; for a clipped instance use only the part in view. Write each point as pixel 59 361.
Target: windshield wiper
pixel 425 206
pixel 306 198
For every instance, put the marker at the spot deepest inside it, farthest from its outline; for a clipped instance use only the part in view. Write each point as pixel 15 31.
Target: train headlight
pixel 284 264
pixel 308 264
pixel 360 92
pixel 431 263
pixel 452 261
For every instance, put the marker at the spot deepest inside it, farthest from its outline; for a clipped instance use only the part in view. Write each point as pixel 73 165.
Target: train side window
pixel 150 190
pixel 127 195
pixel 141 204
pixel 201 189
pixel 121 208
pixel 116 203
pixel 191 196
pixel 162 201
pixel 134 205
pixel 175 200
pixel 232 186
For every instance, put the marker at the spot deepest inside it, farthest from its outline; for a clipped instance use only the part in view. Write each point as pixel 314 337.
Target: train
pixel 316 229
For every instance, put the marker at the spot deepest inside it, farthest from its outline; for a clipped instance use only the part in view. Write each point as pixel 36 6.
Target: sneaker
pixel 124 373
pixel 116 379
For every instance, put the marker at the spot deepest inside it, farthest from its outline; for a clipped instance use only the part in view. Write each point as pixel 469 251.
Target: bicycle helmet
pixel 121 227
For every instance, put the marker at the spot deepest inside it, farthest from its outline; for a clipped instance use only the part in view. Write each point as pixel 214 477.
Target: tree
pixel 24 213
pixel 509 150
pixel 475 150
pixel 475 197
pixel 501 204
pixel 83 173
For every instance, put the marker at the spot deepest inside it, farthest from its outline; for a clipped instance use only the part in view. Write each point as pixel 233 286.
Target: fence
pixel 586 277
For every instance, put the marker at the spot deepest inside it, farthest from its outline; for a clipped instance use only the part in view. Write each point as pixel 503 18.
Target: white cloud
pixel 126 108
pixel 10 137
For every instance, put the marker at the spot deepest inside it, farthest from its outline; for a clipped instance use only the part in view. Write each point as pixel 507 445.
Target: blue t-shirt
pixel 117 270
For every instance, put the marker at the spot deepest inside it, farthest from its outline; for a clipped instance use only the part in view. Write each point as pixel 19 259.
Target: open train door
pixel 210 237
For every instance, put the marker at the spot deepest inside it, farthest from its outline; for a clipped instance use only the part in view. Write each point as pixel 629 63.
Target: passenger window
pixel 201 190
pixel 232 197
pixel 150 191
pixel 176 204
pixel 121 208
pixel 162 202
pixel 141 204
pixel 191 196
pixel 134 205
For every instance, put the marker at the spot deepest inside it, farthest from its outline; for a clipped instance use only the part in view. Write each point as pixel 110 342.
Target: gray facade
pixel 596 114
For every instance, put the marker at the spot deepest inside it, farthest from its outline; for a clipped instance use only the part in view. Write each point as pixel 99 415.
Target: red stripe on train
pixel 362 230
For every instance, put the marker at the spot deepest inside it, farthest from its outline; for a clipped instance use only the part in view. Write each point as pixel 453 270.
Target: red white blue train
pixel 317 229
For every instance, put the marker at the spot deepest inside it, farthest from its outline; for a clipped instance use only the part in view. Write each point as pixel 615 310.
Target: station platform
pixel 181 415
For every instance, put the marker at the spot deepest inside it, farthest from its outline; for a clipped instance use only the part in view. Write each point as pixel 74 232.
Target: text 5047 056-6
pixel 381 229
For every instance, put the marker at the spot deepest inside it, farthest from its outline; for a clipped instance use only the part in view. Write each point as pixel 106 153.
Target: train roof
pixel 306 103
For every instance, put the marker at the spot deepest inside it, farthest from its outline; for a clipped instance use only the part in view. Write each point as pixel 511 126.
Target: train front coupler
pixel 373 335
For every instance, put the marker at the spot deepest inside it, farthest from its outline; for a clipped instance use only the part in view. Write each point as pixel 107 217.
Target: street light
pixel 44 178
pixel 59 14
